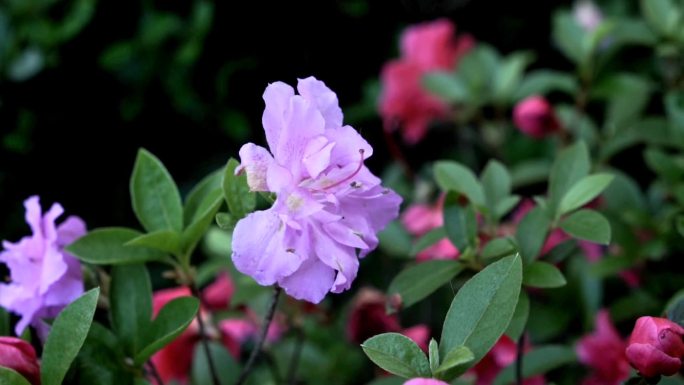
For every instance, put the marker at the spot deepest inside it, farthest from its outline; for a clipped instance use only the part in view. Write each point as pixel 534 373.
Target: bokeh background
pixel 85 83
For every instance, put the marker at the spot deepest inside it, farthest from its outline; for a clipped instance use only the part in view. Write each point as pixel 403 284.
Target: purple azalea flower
pixel 44 278
pixel 328 206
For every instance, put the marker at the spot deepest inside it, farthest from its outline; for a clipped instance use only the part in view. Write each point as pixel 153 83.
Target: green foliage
pixel 571 165
pixel 482 310
pixel 531 233
pixel 398 355
pixel 543 275
pixel 131 305
pixel 416 282
pixel 66 337
pixel 107 246
pixel 227 370
pixel 538 361
pixel 588 225
pixel 452 176
pixel 10 377
pixel 236 192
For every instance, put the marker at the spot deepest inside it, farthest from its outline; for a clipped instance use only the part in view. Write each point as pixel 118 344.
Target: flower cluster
pixel 604 352
pixel 328 206
pixel 44 277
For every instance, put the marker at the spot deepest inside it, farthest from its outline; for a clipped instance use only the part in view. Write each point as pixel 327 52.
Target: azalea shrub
pixel 538 243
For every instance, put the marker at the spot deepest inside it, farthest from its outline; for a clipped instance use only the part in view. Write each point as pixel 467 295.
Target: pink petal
pixel 70 230
pixel 323 98
pixel 651 362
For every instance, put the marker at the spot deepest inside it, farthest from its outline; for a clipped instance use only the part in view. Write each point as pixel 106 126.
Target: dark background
pixel 76 146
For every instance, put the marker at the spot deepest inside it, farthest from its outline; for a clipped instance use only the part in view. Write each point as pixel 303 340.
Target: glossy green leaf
pixel 106 246
pixel 419 281
pixel 460 224
pixel 201 222
pixel 163 240
pixel 171 321
pixel 538 361
pixel 154 195
pixel 429 239
pixel 588 225
pixel 10 377
pixel 131 305
pixel 446 86
pixel 458 356
pixel 201 196
pixel 397 354
pixel 531 233
pixel 482 309
pixel 66 337
pixel 227 370
pixel 584 191
pixel 236 192
pixel 571 165
pixel 543 275
pixel 452 176
pixel 522 312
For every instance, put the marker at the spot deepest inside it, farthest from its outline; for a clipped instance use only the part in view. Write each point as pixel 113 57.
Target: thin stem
pixel 262 337
pixel 299 344
pixel 153 370
pixel 519 359
pixel 203 338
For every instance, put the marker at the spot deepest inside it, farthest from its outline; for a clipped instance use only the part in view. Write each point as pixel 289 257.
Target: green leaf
pixel 418 281
pixel 543 275
pixel 433 355
pixel 522 312
pixel 664 164
pixel 225 221
pixel 530 172
pixel 569 168
pixel 162 240
pixel 659 14
pixel 538 361
pixel 627 96
pixel 584 191
pixel 675 308
pixel 567 35
pixel 10 377
pixel 446 86
pixel 201 196
pixel 482 309
pixel 496 182
pixel 460 224
pixel 508 76
pixel 458 356
pixel 106 246
pixel 588 225
pixel 397 354
pixel 542 82
pixel 66 337
pixel 498 248
pixel 236 192
pixel 452 176
pixel 131 305
pixel 531 233
pixel 506 205
pixel 226 368
pixel 171 321
pixel 395 240
pixel 154 195
pixel 4 322
pixel 429 239
pixel 195 231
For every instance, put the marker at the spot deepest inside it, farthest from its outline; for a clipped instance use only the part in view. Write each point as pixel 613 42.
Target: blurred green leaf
pixel 460 224
pixel 397 354
pixel 446 86
pixel 530 172
pixel 226 367
pixel 531 233
pixel 226 222
pixel 538 361
pixel 582 192
pixel 496 183
pixel 155 197
pixel 522 311
pixel 241 201
pixel 131 305
pixel 543 81
pixel 171 321
pixel 508 76
pixel 482 310
pixel 588 225
pixel 10 377
pixel 105 246
pixel 4 322
pixel 571 165
pixel 395 240
pixel 419 281
pixel 453 176
pixel 66 337
pixel 498 248
pixel 667 166
pixel 568 35
pixel 662 15
pixel 543 275
pixel 429 239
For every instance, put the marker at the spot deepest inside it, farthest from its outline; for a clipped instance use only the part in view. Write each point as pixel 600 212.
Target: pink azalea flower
pixel 44 277
pixel 424 48
pixel 604 352
pixel 328 205
pixel 656 347
pixel 502 355
pixel 424 381
pixel 368 317
pixel 535 117
pixel 419 219
pixel 217 295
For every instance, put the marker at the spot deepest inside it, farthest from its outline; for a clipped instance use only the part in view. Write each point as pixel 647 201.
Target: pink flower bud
pixel 656 347
pixel 20 356
pixel 535 117
pixel 424 381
